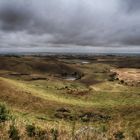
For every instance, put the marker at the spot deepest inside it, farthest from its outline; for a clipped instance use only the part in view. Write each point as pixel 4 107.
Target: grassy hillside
pixel 93 105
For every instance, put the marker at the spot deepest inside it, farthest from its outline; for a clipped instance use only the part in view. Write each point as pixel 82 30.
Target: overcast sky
pixel 70 25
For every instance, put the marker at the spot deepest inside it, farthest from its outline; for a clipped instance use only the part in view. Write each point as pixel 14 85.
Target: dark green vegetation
pixel 69 98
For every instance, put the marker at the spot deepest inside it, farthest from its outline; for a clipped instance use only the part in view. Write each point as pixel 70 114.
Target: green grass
pixel 105 97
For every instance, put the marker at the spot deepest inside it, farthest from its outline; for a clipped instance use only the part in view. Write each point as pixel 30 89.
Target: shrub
pixel 4 113
pixel 54 133
pixel 13 133
pixel 31 130
pixel 42 134
pixel 122 81
pixel 38 133
pixel 119 135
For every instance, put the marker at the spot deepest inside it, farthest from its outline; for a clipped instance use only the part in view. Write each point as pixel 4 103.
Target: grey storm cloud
pixel 131 5
pixel 70 22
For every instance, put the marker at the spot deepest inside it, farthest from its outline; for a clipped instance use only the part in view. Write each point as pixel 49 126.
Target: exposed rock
pixel 63 110
pixel 89 116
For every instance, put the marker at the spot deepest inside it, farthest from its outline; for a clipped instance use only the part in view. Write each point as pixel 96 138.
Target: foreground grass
pixel 15 127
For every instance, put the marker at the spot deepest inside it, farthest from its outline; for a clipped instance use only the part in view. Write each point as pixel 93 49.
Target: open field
pixel 84 98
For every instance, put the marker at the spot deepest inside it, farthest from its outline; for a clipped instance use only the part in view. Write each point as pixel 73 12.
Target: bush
pixel 42 134
pixel 36 132
pixel 13 133
pixel 119 135
pixel 122 81
pixel 54 133
pixel 4 113
pixel 31 130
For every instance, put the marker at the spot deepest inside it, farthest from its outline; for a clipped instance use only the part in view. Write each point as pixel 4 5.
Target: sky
pixel 70 26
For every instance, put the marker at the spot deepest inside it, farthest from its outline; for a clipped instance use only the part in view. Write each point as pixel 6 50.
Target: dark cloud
pixel 131 5
pixel 14 16
pixel 70 22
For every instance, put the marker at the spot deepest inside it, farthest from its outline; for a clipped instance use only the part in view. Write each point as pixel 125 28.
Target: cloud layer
pixel 45 23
